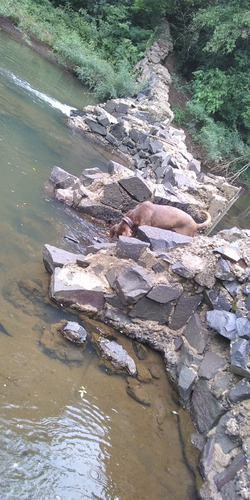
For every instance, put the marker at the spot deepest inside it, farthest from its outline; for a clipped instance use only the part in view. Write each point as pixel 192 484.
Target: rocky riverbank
pixel 186 297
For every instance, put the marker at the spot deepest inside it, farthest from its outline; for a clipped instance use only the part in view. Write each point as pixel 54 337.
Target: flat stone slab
pixel 161 240
pixel 151 310
pixel 195 334
pixel 55 257
pixel 210 365
pixel 186 306
pixel 136 187
pixel 132 284
pixel 223 322
pixel 130 248
pixel 75 286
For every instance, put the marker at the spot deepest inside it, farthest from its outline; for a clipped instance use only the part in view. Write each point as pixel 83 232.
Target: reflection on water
pixel 54 443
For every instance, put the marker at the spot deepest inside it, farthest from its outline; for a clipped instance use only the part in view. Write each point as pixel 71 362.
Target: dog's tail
pixel 207 221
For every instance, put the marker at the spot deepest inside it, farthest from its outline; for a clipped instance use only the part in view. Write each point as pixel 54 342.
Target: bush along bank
pixel 186 297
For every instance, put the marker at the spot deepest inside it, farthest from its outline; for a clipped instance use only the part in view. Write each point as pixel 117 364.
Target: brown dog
pixel 162 216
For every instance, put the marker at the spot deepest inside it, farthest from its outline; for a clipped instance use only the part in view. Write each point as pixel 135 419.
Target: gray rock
pixel 61 178
pixel 112 195
pixel 95 126
pixel 150 310
pixel 186 306
pixel 162 240
pixel 231 234
pixel 227 475
pixel 56 257
pixel 165 293
pixel 232 287
pixel 99 246
pixel 181 180
pixel 183 271
pixel 130 248
pixel 217 299
pixel 89 175
pixel 195 334
pixel 65 293
pixel 239 357
pixel 221 434
pixel 119 358
pixel 155 145
pixel 239 391
pixel 194 166
pixel 138 135
pixel 243 328
pixel 117 168
pixel 132 284
pixel 223 271
pixel 188 357
pixel 136 187
pixel 118 131
pixel 99 211
pixel 119 317
pixel 223 322
pixel 205 408
pixel 186 382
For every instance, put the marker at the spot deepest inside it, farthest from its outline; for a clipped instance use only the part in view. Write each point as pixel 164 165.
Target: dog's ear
pixel 113 230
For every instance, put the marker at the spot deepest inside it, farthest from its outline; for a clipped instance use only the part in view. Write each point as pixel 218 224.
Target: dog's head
pixel 121 229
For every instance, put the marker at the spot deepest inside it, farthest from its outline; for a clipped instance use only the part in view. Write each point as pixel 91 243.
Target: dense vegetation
pixel 103 39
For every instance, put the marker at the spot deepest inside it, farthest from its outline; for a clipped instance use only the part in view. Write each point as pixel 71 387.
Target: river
pixel 56 442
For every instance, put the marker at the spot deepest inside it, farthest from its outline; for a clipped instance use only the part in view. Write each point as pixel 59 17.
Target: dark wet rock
pixel 53 343
pixel 61 178
pixel 136 187
pixel 210 364
pixel 55 257
pixel 32 290
pixel 86 291
pixel 195 334
pixel 89 175
pixel 132 284
pixel 224 477
pixel 239 391
pixel 186 306
pixel 99 211
pixel 113 195
pixel 205 408
pixel 223 322
pixel 114 301
pixel 186 382
pixel 99 246
pixel 243 328
pixel 217 299
pixel 151 310
pixel 140 350
pixel 165 293
pixel 130 248
pixel 183 271
pixel 116 355
pixel 162 411
pixel 119 317
pixel 239 357
pixel 223 271
pixel 162 240
pixel 139 393
pixel 74 332
pixel 155 371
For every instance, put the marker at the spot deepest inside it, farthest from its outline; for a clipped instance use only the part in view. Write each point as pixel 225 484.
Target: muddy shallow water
pixel 56 442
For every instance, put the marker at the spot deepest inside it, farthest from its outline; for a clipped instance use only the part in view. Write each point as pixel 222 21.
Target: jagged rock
pixel 117 168
pixel 136 187
pixel 230 472
pixel 181 270
pixel 130 248
pixel 210 364
pixel 165 293
pixel 231 234
pixel 162 240
pixel 113 195
pixel 99 246
pixel 195 334
pixel 95 126
pixel 223 322
pixel 99 211
pixel 74 332
pixel 61 178
pixel 89 175
pixel 118 317
pixel 186 305
pixel 188 357
pixel 217 299
pixel 150 310
pixel 239 391
pixel 239 357
pixel 243 328
pixel 229 252
pixel 56 257
pixel 194 166
pixel 75 286
pixel 117 355
pixel 223 271
pixel 186 382
pixel 232 287
pixel 132 284
pixel 205 408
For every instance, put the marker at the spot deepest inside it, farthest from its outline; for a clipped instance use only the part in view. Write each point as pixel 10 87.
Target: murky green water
pixel 54 443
